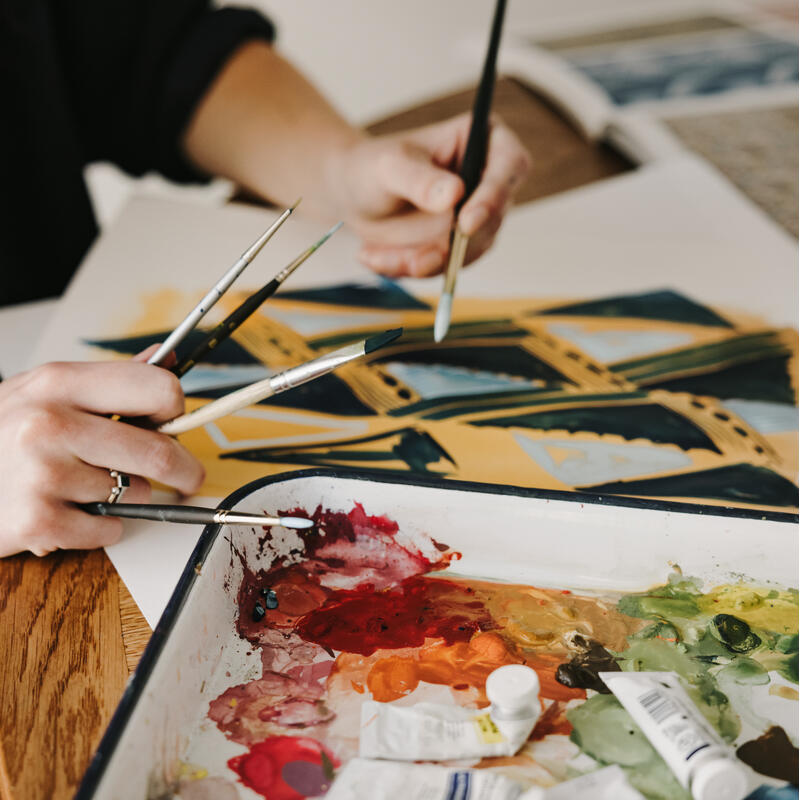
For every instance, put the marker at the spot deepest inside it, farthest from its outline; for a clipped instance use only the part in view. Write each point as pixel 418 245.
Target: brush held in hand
pixel 471 170
pixel 196 515
pixel 225 328
pixel 261 390
pixel 217 290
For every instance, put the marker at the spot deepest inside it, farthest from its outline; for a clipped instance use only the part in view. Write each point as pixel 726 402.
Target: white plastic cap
pixel 719 779
pixel 513 688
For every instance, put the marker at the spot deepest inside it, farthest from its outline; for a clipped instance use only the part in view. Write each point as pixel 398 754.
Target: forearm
pixel 264 126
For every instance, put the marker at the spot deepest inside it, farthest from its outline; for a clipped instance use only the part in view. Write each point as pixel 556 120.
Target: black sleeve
pixel 135 69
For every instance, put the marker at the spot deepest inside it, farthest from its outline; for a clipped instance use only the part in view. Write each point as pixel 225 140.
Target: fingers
pixel 507 165
pixel 83 483
pixel 136 451
pixel 169 360
pixel 46 435
pixel 408 172
pixel 48 525
pixel 414 262
pixel 125 387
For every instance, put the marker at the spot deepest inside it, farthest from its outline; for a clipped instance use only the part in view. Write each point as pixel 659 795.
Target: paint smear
pixel 286 768
pixel 361 612
pixel 772 754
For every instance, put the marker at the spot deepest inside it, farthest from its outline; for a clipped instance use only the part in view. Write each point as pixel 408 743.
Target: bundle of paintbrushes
pixel 254 393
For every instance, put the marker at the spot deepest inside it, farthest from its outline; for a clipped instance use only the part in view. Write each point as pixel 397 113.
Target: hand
pixel 58 445
pixel 264 126
pixel 399 192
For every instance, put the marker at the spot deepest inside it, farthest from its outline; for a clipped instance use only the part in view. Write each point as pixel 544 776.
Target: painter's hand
pixel 57 445
pixel 400 191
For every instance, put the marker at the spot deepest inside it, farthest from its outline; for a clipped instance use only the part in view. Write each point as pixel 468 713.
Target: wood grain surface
pixel 63 668
pixel 70 633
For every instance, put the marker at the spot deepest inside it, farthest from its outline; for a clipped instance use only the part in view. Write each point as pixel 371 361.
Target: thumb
pixel 408 172
pixel 170 360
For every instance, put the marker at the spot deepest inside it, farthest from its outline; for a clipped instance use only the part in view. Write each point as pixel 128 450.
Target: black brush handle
pixel 475 153
pixel 225 328
pixel 160 513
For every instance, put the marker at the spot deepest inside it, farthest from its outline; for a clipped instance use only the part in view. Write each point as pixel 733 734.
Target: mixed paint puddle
pixel 367 612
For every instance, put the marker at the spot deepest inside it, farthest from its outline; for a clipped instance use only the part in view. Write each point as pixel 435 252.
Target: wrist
pixel 339 176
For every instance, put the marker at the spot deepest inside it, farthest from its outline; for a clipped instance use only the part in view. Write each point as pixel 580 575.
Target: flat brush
pixel 471 169
pixel 192 515
pixel 217 290
pixel 240 314
pixel 278 383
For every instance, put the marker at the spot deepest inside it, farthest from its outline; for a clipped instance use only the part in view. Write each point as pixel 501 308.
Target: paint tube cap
pixel 719 779
pixel 513 690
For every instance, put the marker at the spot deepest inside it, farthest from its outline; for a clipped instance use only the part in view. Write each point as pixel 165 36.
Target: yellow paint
pixel 191 772
pixel 484 454
pixel 760 607
pixel 786 692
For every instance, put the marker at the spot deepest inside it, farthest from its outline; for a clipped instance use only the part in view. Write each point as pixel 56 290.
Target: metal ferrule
pixel 290 268
pixel 240 518
pixel 316 368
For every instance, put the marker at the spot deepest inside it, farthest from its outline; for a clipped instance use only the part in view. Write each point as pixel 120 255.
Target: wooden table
pixel 70 634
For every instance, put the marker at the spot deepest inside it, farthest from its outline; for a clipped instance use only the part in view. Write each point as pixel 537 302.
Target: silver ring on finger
pixel 121 483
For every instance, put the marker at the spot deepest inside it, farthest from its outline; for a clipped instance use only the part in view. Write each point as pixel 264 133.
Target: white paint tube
pixel 608 783
pixel 362 779
pixel 673 724
pixel 436 732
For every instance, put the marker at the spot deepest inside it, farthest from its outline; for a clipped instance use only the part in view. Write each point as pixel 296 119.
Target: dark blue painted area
pixel 385 295
pixel 227 352
pixel 715 65
pixel 663 305
pixel 738 483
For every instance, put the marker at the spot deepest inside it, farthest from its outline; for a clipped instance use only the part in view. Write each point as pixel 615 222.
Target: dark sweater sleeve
pixel 136 69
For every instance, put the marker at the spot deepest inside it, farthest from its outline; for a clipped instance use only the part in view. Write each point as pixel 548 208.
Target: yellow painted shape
pixel 786 692
pixel 760 607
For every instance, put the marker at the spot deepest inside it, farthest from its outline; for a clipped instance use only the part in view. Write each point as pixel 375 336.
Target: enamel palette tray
pixel 207 694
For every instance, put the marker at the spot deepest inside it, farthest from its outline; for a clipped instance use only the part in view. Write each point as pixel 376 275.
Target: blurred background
pixel 373 58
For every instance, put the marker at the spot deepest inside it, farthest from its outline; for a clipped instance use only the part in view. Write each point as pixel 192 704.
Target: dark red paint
pixel 363 620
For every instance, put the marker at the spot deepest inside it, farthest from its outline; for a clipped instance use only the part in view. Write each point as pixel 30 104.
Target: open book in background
pixel 720 80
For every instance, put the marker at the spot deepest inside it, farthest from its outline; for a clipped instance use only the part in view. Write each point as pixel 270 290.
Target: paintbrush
pixel 288 379
pixel 191 514
pixel 471 169
pixel 240 314
pixel 217 290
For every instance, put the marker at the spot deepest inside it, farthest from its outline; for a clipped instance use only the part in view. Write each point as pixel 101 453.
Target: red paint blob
pixel 363 620
pixel 286 768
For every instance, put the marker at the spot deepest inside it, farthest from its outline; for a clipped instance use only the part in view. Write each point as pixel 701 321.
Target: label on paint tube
pixel 680 734
pixel 363 779
pixel 434 732
pixel 608 783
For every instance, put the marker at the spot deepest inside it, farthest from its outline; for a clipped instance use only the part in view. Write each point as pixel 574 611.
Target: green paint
pixel 606 732
pixel 720 656
pixel 734 633
pixel 746 347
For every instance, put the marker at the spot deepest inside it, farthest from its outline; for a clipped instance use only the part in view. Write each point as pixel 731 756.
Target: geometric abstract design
pixel 586 462
pixel 648 395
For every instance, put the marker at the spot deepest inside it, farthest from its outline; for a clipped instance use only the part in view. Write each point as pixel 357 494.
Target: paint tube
pixel 680 734
pixel 608 783
pixel 363 779
pixel 436 732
